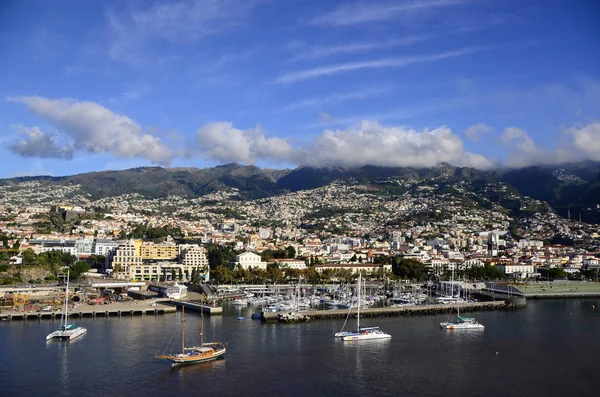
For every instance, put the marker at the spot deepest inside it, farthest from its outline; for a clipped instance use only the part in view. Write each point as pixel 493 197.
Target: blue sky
pixel 91 86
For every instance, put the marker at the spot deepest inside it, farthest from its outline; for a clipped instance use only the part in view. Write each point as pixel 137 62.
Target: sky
pixel 107 85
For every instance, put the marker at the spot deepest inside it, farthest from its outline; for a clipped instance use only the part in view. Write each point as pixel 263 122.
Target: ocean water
pixel 550 348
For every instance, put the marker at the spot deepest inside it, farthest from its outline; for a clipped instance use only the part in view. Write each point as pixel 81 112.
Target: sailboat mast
pixel 182 329
pixel 358 309
pixel 67 301
pixel 202 326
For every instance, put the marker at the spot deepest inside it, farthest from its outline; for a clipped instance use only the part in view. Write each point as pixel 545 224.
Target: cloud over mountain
pixel 221 141
pixel 93 128
pixel 365 143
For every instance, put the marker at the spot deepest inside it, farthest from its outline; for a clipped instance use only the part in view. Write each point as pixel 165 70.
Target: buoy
pixel 496 352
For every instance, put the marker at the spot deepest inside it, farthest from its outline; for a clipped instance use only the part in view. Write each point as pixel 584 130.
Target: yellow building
pixel 165 251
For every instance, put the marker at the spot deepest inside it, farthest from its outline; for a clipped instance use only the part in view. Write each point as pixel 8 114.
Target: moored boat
pixel 66 331
pixel 195 354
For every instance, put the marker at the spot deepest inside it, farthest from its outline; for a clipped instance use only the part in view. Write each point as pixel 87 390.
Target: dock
pixel 93 311
pixel 417 310
pixel 195 306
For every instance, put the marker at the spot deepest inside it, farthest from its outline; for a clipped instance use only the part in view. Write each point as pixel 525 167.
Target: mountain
pixel 573 187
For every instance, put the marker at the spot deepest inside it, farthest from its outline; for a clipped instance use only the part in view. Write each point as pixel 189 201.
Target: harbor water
pixel 549 348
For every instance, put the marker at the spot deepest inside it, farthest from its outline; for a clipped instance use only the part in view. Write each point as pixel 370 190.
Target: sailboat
pixel 66 331
pixel 461 322
pixel 196 354
pixel 362 333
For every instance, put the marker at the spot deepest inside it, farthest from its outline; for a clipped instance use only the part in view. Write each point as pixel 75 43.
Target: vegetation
pixel 147 232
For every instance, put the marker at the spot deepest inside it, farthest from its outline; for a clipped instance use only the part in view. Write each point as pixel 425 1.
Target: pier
pixel 93 311
pixel 417 310
pixel 195 306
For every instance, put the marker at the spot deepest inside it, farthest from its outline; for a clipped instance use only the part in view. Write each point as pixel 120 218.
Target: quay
pixel 417 310
pixel 93 311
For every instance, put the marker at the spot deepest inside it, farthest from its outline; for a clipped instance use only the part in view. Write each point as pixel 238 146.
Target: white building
pixel 250 260
pixel 194 257
pixel 121 259
pixel 516 270
pixel 264 234
pixel 289 263
pixel 102 246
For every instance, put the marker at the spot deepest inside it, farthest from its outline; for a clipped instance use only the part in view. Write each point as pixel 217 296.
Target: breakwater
pixel 420 310
pixel 564 295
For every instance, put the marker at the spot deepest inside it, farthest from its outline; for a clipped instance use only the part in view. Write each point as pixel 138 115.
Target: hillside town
pixel 348 226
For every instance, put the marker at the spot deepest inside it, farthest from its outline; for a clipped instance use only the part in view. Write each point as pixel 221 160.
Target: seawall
pixel 420 310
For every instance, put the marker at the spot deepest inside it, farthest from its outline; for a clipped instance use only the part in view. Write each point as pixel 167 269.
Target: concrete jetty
pixel 93 311
pixel 417 310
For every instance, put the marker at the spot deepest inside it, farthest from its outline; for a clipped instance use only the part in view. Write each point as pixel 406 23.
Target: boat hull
pixel 67 335
pixel 367 336
pixel 458 326
pixel 183 359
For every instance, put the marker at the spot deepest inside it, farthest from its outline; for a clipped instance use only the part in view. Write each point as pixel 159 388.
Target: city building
pixel 250 260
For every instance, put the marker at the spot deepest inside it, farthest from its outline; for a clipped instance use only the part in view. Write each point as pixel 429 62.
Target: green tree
pixel 79 268
pixel 180 274
pixel 29 257
pixel 290 252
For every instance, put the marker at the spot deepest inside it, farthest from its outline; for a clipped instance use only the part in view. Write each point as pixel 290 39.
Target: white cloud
pixel 371 143
pixel 133 32
pixel 308 74
pixel 587 140
pixel 222 142
pixel 365 143
pixel 356 13
pixel 353 48
pixel 326 117
pixel 336 98
pixel 36 143
pixel 475 132
pixel 95 129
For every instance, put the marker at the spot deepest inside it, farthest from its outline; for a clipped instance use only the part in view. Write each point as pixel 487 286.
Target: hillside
pixel 573 187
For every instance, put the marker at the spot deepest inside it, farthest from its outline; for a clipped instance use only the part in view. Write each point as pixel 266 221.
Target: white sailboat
pixel 362 333
pixel 460 322
pixel 66 331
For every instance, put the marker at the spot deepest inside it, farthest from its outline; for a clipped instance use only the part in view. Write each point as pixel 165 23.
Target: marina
pixel 524 339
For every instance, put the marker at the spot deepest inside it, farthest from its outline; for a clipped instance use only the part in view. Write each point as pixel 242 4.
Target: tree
pixel 173 275
pixel 410 269
pixel 29 256
pixel 290 252
pixel 79 268
pixel 180 274
pixel 222 274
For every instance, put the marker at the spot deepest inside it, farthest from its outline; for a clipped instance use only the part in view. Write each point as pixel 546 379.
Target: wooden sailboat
pixel 195 354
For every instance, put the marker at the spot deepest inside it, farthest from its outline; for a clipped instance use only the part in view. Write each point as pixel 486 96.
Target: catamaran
pixel 461 322
pixel 196 354
pixel 361 333
pixel 66 331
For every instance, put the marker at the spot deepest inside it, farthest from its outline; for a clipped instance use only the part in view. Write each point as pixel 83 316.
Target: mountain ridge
pixel 562 186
